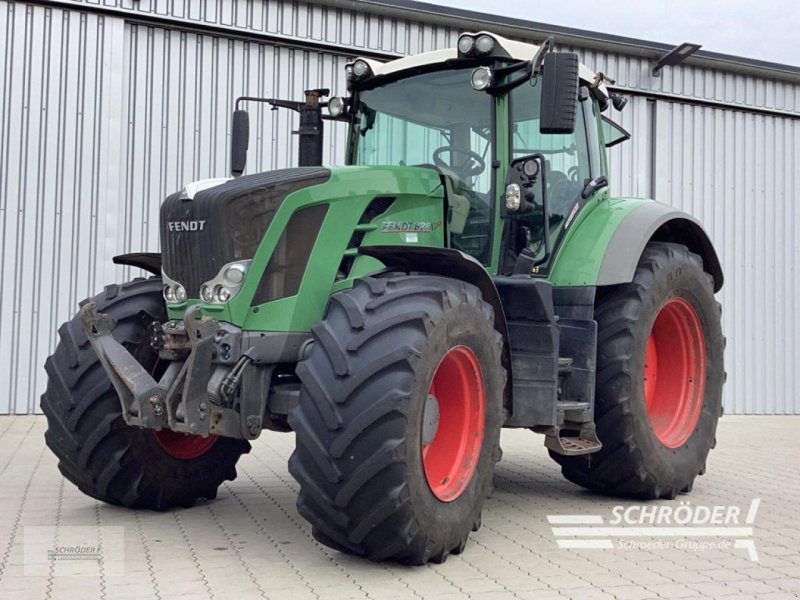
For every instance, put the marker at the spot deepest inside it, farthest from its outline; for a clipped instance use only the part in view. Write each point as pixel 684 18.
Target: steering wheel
pixel 472 165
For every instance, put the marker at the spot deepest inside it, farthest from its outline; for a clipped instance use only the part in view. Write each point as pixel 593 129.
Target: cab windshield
pixel 435 119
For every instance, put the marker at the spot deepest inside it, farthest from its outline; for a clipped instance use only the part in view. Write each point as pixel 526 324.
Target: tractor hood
pixel 202 232
pixel 299 230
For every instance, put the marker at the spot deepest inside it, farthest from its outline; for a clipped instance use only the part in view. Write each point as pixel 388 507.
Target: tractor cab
pixel 476 114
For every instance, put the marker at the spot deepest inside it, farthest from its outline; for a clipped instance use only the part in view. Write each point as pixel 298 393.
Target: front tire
pixel 659 379
pixel 97 451
pixel 378 477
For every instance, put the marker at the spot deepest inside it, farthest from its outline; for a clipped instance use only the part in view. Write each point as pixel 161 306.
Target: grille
pixel 224 223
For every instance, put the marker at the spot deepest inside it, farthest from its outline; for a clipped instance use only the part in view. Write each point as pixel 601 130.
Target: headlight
pixel 174 292
pixel 226 284
pixel 221 294
pixel 206 294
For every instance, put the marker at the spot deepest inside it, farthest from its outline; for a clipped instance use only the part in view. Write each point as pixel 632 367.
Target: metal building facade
pixel 109 105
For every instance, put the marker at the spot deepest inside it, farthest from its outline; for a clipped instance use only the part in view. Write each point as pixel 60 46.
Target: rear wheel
pixel 674 385
pixel 96 449
pixel 659 379
pixel 399 417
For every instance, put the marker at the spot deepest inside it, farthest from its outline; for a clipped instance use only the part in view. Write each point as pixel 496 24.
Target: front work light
pixel 484 44
pixel 476 45
pixel 335 106
pixel 481 78
pixel 466 43
pixel 530 168
pixel 360 69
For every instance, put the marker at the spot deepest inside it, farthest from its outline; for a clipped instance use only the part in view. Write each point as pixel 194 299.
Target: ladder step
pixel 585 443
pixel 564 366
pixel 565 406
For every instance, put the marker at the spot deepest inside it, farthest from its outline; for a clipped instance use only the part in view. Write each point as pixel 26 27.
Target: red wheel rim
pixel 674 373
pixel 182 445
pixel 450 458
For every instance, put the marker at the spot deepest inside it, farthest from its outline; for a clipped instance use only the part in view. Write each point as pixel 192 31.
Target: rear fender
pixel 655 222
pixel 605 243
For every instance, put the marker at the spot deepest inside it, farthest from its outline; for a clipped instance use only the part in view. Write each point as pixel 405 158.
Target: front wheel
pixel 659 379
pixel 399 416
pixel 97 451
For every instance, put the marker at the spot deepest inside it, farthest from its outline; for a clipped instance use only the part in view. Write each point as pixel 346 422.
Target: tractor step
pixel 585 443
pixel 565 366
pixel 565 406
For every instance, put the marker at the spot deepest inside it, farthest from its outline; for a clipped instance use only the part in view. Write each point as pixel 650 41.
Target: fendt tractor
pixel 466 270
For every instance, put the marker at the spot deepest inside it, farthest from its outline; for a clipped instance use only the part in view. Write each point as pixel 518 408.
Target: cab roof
pixel 516 50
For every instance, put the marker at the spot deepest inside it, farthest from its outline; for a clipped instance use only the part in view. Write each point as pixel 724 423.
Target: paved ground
pixel 250 542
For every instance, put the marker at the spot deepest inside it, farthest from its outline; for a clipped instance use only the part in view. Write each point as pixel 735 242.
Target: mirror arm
pixel 538 58
pixel 275 103
pixel 512 68
pixel 497 90
pixel 345 117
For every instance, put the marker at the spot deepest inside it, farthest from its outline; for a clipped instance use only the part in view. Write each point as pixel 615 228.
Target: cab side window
pixel 567 156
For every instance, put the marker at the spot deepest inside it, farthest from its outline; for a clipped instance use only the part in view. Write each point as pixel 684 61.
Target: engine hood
pixel 208 228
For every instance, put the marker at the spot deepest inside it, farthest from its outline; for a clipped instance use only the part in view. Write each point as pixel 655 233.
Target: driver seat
pixel 459 203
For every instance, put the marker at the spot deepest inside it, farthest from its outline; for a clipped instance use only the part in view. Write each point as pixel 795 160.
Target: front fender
pixel 147 261
pixel 446 262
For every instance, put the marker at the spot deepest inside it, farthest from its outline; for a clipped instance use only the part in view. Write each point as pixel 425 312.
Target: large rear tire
pixel 392 357
pixel 659 379
pixel 97 451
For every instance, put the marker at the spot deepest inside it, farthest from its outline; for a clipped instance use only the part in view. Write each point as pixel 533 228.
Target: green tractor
pixel 467 270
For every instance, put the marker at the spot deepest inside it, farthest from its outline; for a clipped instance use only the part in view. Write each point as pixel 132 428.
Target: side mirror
pixel 559 93
pixel 240 140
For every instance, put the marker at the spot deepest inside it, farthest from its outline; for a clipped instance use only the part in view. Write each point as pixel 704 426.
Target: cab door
pixel 573 166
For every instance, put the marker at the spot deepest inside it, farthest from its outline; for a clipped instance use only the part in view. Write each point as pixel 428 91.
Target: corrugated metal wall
pixel 102 115
pixel 59 163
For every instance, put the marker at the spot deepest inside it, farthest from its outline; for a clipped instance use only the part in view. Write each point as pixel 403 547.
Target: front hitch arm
pixel 179 401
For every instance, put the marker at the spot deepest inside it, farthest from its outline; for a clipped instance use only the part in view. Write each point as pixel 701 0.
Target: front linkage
pixel 193 395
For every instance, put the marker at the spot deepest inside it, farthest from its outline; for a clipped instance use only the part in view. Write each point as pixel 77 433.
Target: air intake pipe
pixel 310 132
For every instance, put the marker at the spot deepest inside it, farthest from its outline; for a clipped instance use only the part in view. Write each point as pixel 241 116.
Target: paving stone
pixel 251 541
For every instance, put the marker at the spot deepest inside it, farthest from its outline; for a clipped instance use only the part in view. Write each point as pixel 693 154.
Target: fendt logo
pixel 186 225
